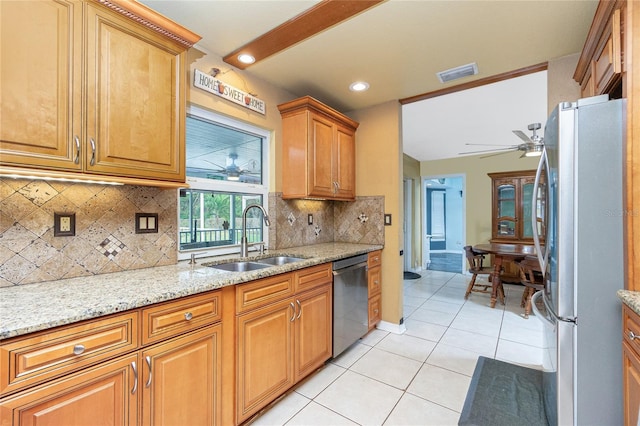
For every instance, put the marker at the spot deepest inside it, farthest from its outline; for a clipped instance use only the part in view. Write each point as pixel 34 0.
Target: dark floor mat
pixel 503 394
pixel 411 275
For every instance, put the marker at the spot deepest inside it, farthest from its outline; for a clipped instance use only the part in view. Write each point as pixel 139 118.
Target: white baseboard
pixel 391 327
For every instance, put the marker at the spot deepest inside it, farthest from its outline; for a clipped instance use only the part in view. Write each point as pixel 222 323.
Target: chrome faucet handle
pixel 193 259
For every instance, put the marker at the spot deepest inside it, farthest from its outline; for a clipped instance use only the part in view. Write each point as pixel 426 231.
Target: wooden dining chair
pixel 476 268
pixel 532 279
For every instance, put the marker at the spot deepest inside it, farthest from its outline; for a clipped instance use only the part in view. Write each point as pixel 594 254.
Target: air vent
pixel 457 72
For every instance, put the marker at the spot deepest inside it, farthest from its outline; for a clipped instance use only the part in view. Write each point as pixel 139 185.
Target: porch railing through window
pixel 197 238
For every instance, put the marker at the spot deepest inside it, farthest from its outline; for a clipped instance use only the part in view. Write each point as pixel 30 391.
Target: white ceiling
pixel 398 46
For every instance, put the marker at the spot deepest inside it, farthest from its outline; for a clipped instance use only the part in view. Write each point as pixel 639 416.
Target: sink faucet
pixel 244 249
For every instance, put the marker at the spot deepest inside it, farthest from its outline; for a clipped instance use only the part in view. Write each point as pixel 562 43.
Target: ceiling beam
pixel 312 21
pixel 477 83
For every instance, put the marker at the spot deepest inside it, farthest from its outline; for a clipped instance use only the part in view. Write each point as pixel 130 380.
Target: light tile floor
pixel 422 376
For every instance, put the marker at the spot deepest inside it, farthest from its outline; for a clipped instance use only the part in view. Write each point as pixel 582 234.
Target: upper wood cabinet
pixel 602 61
pixel 93 91
pixel 318 151
pixel 512 201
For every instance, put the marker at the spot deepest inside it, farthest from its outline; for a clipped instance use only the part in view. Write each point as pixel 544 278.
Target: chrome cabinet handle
pixel 293 308
pixel 632 335
pixel 299 309
pixel 188 316
pixel 77 140
pixel 148 359
pixel 135 377
pixel 93 152
pixel 78 349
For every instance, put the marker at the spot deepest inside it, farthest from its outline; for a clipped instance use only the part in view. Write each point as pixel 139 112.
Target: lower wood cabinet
pixel 284 341
pixel 631 365
pixel 104 394
pixel 374 278
pixel 179 380
pixel 97 372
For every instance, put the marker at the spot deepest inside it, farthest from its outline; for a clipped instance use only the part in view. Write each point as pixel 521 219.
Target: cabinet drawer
pixel 375 259
pixel 314 276
pixel 262 292
pixel 374 277
pixel 375 311
pixel 41 356
pixel 177 317
pixel 631 328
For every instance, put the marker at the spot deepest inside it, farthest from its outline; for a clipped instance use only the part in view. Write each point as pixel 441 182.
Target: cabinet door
pixel 181 381
pixel 506 199
pixel 40 92
pixel 135 100
pixel 313 328
pixel 265 356
pixel 102 393
pixel 321 180
pixel 631 385
pixel 345 162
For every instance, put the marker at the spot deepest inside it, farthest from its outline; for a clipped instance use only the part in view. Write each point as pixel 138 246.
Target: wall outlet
pixel 64 224
pixel 146 223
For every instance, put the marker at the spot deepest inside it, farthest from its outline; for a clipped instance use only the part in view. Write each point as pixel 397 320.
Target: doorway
pixel 444 222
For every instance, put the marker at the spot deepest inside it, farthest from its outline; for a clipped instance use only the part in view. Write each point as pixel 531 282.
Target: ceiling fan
pixel 233 171
pixel 531 147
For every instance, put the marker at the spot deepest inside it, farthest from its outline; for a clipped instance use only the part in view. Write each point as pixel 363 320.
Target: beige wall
pixel 379 172
pixel 478 185
pixel 560 84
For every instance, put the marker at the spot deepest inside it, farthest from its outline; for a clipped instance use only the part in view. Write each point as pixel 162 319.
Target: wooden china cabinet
pixel 512 203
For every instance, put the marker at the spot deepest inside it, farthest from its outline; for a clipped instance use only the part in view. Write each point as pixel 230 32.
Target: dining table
pixel 502 252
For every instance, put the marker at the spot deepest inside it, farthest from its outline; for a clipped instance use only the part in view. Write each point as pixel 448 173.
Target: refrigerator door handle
pixel 536 311
pixel 542 259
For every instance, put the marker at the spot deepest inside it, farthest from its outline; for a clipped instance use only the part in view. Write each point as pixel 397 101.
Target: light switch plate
pixel 64 224
pixel 146 223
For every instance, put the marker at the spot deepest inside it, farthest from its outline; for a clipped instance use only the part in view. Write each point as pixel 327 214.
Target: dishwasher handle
pixel 350 268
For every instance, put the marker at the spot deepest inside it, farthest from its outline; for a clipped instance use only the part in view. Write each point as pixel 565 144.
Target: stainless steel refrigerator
pixel 583 261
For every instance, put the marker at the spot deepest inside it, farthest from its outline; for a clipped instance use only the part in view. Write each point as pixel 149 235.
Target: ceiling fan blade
pixel 511 148
pixel 521 135
pixel 491 144
pixel 493 155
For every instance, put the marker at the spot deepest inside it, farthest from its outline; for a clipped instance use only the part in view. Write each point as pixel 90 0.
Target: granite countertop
pixel 34 307
pixel 631 299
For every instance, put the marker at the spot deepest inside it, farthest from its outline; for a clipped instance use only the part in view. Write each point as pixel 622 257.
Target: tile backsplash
pixel 105 239
pixel 359 221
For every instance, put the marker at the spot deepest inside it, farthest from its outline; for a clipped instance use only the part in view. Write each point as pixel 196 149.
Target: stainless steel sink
pixel 240 266
pixel 279 260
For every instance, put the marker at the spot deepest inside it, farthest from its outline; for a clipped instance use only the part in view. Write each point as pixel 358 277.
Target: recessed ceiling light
pixel 245 58
pixel 359 86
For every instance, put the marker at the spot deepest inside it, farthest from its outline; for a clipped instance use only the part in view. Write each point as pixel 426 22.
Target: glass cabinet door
pixel 506 199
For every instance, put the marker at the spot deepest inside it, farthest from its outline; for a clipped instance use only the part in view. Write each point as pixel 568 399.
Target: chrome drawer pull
pixel 78 349
pixel 293 307
pixel 93 152
pixel 77 160
pixel 148 358
pixel 299 309
pixel 632 335
pixel 135 377
pixel 188 316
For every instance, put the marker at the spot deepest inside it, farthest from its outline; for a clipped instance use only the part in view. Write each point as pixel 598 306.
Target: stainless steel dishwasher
pixel 350 302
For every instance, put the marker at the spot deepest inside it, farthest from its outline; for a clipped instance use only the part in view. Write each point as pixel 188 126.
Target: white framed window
pixel 227 170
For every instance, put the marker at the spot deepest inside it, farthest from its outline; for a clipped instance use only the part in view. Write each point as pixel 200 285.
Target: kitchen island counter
pixel 34 307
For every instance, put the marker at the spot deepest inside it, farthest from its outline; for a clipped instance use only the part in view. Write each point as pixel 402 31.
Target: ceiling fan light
pixel 533 151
